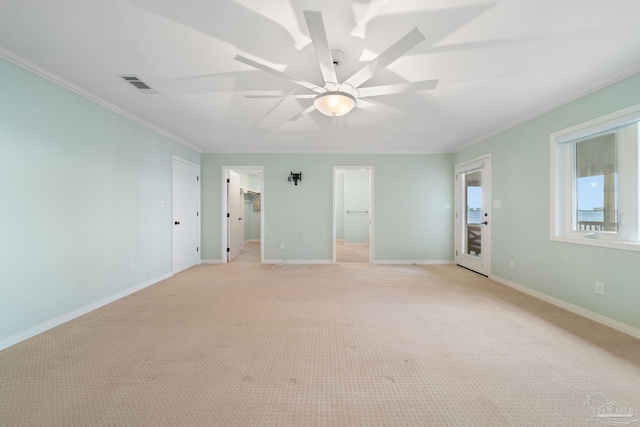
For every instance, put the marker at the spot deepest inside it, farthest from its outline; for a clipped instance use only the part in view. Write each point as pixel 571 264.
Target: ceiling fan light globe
pixel 334 103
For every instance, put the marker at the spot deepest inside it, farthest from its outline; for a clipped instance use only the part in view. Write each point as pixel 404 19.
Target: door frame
pixel 224 233
pixel 482 264
pixel 371 204
pixel 198 224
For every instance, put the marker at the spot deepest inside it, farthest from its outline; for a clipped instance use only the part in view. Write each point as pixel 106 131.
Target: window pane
pixel 473 199
pixel 596 189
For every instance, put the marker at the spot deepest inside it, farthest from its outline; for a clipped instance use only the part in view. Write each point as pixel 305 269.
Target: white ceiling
pixel 498 62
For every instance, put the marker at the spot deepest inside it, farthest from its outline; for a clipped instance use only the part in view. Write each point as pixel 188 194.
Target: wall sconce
pixel 295 177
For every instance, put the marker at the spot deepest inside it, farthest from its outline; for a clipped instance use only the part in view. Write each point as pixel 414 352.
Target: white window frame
pixel 563 194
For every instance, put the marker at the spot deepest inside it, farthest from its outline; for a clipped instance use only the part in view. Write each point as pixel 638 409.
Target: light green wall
pixel 520 173
pixel 410 192
pixel 81 191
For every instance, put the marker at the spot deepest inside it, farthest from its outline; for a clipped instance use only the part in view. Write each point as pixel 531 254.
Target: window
pixel 594 182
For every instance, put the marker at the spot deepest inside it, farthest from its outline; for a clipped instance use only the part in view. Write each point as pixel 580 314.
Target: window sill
pixel 602 243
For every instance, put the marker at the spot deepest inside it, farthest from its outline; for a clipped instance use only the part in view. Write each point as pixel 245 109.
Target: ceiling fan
pixel 337 99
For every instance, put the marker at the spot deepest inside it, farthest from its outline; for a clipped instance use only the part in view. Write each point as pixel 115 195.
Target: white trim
pixel 599 124
pixel 603 320
pixel 413 262
pixel 55 79
pixel 628 72
pixel 480 264
pixel 59 320
pixel 251 151
pixel 612 244
pixel 562 180
pixel 212 261
pixel 223 204
pixel 296 261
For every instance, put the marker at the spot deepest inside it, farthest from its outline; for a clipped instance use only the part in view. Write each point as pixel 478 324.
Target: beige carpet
pixel 336 345
pixel 351 253
pixel 250 252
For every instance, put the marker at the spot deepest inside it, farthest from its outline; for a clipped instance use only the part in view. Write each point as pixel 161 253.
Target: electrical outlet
pixel 132 266
pixel 599 288
pixel 282 246
pixel 512 263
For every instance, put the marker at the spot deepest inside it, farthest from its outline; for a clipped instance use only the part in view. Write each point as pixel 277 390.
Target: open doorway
pixel 353 214
pixel 242 214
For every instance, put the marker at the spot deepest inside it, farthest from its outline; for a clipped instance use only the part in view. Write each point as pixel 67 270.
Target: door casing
pixel 480 264
pixel 224 230
pixel 371 210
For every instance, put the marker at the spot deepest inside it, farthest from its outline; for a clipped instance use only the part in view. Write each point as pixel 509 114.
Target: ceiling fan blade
pixel 377 107
pixel 302 113
pixel 310 96
pixel 321 45
pixel 279 73
pixel 395 51
pixel 365 92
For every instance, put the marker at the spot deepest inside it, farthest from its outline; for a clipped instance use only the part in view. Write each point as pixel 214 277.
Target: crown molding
pixel 614 78
pixel 53 78
pixel 330 152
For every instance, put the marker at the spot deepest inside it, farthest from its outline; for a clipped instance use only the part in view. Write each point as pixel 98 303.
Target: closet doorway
pixel 242 214
pixel 352 213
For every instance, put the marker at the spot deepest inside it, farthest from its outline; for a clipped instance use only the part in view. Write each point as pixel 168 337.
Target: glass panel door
pixel 473 210
pixel 473 213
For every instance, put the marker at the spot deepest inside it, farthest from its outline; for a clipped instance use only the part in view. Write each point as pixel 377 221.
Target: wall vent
pixel 139 84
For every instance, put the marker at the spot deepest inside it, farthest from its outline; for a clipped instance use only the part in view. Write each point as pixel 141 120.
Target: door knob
pixel 485 223
pixel 177 223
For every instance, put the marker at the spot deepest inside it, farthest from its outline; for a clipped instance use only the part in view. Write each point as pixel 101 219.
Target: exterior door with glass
pixel 473 215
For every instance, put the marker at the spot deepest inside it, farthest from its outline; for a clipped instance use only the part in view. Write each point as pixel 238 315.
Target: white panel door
pixel 185 196
pixel 473 215
pixel 357 207
pixel 235 226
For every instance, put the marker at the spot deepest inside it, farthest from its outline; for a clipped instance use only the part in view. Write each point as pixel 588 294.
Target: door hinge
pixel 228 249
pixel 197 213
pixel 228 215
pixel 197 178
pixel 197 249
pixel 227 180
pixel 456 253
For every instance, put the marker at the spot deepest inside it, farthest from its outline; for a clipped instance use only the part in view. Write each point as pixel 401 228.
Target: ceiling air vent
pixel 139 84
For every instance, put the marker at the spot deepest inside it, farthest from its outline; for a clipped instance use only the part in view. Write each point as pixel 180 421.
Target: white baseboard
pixel 212 261
pixel 57 321
pixel 607 321
pixel 413 262
pixel 297 261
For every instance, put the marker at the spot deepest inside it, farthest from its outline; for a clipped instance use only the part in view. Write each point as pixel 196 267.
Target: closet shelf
pixel 248 191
